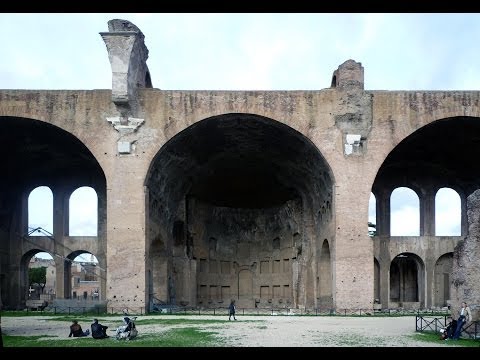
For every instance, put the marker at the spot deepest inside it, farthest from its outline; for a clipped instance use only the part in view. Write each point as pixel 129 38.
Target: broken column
pixel 466 268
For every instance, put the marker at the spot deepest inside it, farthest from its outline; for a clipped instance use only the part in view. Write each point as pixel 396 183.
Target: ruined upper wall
pixel 128 57
pixel 349 76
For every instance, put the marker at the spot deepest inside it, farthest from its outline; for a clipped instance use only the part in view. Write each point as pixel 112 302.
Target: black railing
pixel 424 323
pixel 435 324
pixel 472 330
pixel 184 310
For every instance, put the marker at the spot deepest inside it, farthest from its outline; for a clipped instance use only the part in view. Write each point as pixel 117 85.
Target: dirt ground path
pixel 260 331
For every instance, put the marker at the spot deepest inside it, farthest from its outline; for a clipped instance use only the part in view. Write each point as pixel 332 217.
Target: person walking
pixel 465 316
pixel 231 310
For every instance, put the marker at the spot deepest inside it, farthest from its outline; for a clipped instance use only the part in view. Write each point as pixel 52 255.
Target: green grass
pixel 434 338
pixel 182 337
pixel 187 334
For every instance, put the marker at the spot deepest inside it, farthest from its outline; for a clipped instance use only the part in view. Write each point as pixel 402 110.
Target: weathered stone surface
pixel 466 267
pixel 128 57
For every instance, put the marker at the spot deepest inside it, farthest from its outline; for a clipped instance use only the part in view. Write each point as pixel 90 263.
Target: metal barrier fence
pixel 472 330
pixel 435 324
pixel 182 310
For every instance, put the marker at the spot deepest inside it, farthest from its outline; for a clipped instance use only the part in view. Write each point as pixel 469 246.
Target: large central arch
pixel 232 205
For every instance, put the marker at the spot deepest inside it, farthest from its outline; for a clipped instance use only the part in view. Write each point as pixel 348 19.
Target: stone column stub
pixel 353 112
pixel 128 58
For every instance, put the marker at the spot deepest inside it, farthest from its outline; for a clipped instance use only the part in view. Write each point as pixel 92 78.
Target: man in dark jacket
pixel 99 331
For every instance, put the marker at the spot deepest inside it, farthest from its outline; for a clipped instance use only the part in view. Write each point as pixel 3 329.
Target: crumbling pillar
pixel 466 267
pixel 128 55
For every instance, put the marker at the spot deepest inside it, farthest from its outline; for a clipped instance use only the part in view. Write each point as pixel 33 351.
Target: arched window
pixel 40 211
pixel 448 213
pixel 372 215
pixel 83 212
pixel 404 212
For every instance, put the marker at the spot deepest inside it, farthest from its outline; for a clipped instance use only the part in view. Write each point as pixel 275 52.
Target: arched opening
pixel 40 212
pixel 406 281
pixel 325 298
pixel 148 80
pixel 405 212
pixel 83 277
pixel 448 213
pixel 242 186
pixel 53 162
pixel 435 156
pixel 334 81
pixel 376 281
pixel 372 215
pixel 443 274
pixel 83 212
pixel 41 277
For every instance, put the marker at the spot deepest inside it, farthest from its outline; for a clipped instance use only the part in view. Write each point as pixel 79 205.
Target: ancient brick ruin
pixel 257 196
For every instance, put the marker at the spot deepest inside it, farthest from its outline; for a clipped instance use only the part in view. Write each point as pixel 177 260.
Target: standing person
pixel 465 317
pixel 76 330
pixel 231 310
pixel 99 331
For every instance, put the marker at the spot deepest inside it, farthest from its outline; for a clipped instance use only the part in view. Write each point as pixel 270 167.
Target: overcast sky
pixel 249 52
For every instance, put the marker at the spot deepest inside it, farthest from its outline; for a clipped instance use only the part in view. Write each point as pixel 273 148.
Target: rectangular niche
pixel 277 292
pixel 264 267
pixel 225 267
pixel 264 292
pixel 213 266
pixel 203 265
pixel 202 292
pixel 214 295
pixel 226 294
pixel 276 266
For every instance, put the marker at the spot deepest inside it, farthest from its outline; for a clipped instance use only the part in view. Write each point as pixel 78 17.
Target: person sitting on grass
pixel 99 331
pixel 76 330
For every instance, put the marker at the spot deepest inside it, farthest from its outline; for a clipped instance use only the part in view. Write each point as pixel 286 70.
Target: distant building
pixel 84 280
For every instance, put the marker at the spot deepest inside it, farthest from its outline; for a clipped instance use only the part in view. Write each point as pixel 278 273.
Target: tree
pixel 38 276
